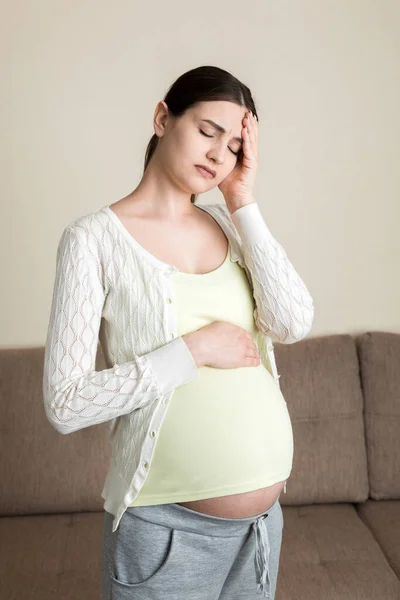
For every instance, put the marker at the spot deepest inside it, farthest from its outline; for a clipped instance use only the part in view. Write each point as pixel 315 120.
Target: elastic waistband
pixel 177 516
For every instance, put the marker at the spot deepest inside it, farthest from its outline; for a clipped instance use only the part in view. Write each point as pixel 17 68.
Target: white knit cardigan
pixel 109 289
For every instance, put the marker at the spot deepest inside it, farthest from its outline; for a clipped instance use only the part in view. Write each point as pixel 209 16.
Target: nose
pixel 217 154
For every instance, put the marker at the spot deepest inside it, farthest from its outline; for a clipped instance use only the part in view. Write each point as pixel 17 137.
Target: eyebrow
pixel 221 129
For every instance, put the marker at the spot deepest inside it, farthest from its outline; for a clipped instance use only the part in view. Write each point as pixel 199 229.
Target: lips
pixel 211 171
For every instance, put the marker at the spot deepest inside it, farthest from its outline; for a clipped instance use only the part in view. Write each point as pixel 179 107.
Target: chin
pixel 207 185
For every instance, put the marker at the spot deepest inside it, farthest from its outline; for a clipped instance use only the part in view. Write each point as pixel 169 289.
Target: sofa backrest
pixel 321 385
pixel 43 471
pixel 379 357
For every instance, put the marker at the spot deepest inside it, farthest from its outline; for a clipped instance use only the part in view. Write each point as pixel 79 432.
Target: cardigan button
pixel 169 300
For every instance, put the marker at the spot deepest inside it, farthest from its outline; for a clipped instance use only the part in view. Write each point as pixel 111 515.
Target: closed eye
pixel 210 136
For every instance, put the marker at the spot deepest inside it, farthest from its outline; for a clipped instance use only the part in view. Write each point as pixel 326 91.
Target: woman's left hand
pixel 237 188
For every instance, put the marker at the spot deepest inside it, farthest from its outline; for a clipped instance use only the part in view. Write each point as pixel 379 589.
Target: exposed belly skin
pixel 238 506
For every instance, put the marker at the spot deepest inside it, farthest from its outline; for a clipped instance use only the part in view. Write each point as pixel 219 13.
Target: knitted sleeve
pixel 284 307
pixel 75 395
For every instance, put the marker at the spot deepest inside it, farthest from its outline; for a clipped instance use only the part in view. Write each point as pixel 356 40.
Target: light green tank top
pixel 229 431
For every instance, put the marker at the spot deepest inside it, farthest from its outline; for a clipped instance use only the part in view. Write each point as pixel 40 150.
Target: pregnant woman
pixel 185 301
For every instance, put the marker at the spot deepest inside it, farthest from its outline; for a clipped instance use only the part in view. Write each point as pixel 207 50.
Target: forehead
pixel 225 111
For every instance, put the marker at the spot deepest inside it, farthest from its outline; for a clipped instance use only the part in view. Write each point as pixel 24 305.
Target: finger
pixel 255 126
pixel 246 142
pixel 255 133
pixel 252 134
pixel 251 141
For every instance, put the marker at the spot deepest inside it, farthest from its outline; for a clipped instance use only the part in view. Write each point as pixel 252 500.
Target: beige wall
pixel 80 84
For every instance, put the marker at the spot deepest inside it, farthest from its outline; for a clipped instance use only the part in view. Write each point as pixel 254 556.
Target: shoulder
pixel 89 221
pixel 85 231
pixel 88 227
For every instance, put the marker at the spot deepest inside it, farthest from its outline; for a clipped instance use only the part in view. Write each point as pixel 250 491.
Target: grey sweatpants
pixel 170 552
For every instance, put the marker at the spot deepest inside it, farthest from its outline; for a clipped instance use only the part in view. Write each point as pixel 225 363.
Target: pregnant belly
pixel 233 424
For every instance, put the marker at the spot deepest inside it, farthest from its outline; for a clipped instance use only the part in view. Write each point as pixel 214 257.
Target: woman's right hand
pixel 222 345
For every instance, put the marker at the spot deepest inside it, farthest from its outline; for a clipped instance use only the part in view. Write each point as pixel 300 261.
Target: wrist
pixel 235 204
pixel 195 349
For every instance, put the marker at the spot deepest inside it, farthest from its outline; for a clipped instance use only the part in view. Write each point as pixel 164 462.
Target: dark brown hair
pixel 203 84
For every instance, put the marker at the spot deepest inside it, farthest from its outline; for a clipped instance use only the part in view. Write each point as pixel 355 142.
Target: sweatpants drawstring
pixel 262 556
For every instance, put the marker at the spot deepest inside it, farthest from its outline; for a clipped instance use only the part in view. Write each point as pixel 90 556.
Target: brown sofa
pixel 341 536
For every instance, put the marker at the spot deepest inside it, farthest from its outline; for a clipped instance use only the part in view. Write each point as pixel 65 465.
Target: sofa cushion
pixel 46 557
pixel 321 385
pixel 382 517
pixel 379 354
pixel 329 553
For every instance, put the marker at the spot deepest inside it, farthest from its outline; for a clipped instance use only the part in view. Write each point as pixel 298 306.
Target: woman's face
pixel 207 134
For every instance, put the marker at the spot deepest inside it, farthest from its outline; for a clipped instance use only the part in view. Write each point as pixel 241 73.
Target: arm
pixel 284 307
pixel 75 395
